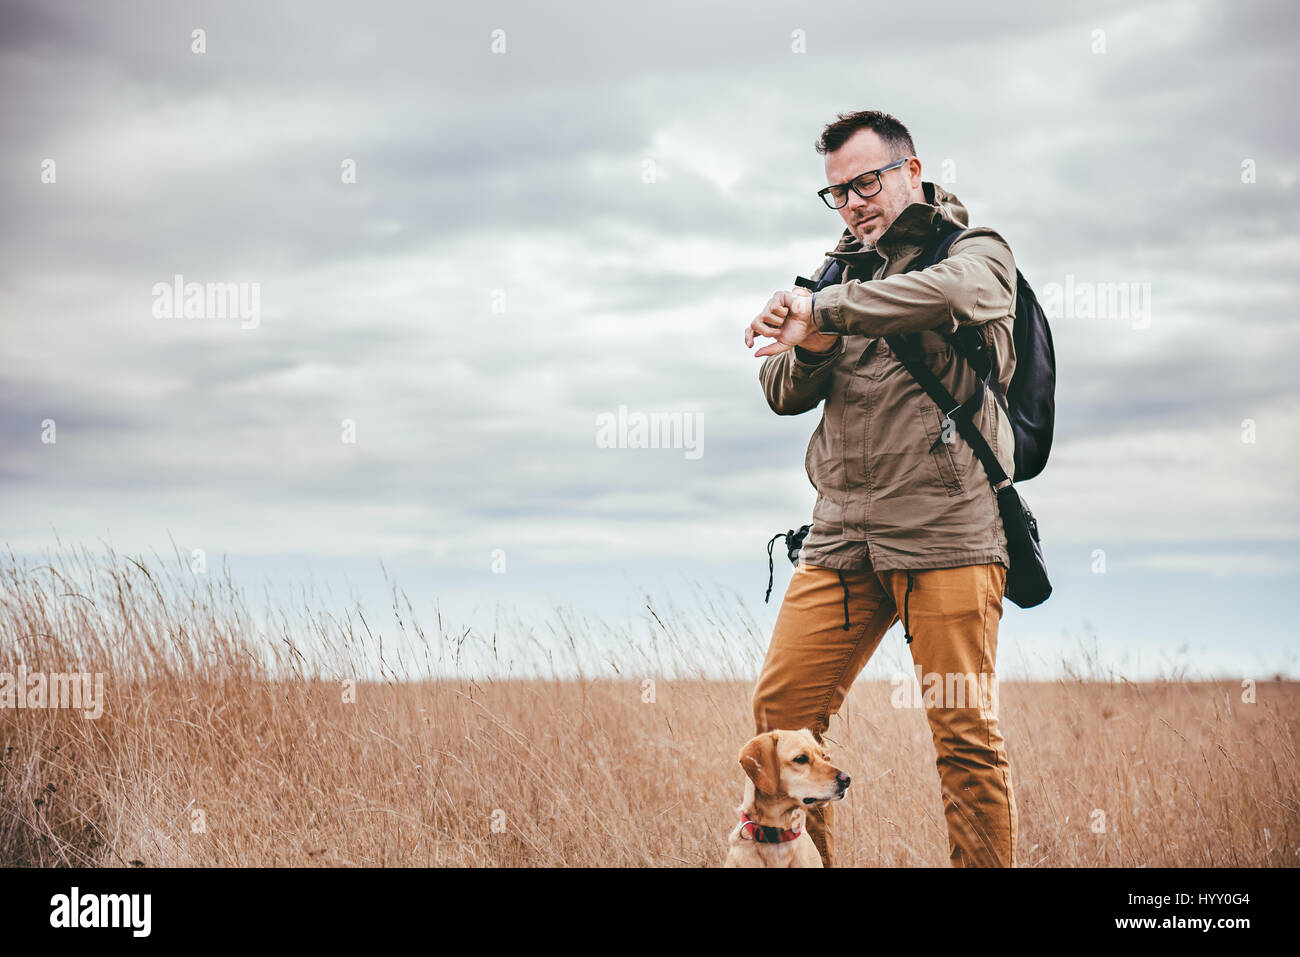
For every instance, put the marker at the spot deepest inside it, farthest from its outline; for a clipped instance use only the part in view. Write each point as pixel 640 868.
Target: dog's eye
pixel 802 759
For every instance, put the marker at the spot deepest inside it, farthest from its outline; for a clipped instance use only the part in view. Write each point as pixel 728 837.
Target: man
pixel 906 523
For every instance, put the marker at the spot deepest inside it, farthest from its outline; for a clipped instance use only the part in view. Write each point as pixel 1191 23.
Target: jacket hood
pixel 913 227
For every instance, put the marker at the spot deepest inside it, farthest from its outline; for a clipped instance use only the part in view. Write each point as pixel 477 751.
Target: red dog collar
pixel 767 834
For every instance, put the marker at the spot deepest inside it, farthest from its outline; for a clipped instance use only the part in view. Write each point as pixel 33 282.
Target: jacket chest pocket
pixel 944 463
pixel 871 365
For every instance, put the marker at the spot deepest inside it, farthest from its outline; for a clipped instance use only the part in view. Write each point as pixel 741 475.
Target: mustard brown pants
pixel 952 615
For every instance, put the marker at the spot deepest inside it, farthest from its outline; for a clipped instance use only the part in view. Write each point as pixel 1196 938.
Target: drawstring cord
pixel 771 572
pixel 907 596
pixel 793 542
pixel 846 598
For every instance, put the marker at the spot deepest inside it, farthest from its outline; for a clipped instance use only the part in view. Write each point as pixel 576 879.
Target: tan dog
pixel 788 773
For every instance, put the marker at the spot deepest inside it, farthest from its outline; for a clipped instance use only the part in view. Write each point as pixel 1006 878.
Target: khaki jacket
pixel 882 497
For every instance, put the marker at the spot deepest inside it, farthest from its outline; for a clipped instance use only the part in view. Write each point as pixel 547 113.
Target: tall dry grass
pixel 546 751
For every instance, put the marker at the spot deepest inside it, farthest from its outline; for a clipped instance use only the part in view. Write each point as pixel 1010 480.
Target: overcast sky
pixel 588 220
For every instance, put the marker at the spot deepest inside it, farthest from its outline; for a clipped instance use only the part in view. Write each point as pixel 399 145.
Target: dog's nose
pixel 843 779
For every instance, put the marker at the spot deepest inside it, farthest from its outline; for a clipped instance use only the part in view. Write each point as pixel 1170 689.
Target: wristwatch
pixel 826 352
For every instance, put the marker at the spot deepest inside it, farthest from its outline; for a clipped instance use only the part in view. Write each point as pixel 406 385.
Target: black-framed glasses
pixel 865 185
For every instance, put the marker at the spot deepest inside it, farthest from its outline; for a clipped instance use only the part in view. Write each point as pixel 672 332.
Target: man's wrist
pixel 810 345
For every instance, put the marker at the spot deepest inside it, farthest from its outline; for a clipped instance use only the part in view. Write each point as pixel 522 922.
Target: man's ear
pixel 758 758
pixel 914 178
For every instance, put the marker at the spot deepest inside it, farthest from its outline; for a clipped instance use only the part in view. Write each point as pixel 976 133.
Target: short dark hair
pixel 893 133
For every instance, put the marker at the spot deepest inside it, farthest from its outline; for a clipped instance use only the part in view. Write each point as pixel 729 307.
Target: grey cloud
pixel 1115 168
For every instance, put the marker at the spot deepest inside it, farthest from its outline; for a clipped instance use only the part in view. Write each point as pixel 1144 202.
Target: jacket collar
pixel 766 834
pixel 913 229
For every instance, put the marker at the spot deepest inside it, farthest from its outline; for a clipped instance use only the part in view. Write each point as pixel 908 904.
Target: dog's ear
pixel 759 760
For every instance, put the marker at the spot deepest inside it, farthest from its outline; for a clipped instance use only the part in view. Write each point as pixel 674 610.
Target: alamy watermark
pixel 179 299
pixel 651 430
pixel 1097 300
pixel 55 689
pixel 935 689
pixel 75 909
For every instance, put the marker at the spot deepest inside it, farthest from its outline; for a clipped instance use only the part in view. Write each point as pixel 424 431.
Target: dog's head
pixel 794 764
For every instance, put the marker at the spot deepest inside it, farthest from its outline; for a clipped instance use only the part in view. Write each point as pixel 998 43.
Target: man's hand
pixel 787 318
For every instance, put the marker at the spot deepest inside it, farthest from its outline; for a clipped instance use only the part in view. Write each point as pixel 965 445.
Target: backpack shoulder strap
pixel 941 251
pixel 969 342
pixel 828 275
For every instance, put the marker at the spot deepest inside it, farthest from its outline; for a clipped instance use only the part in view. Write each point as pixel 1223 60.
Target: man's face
pixel 869 218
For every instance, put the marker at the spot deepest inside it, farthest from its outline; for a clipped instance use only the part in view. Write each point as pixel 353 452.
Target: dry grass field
pixel 226 740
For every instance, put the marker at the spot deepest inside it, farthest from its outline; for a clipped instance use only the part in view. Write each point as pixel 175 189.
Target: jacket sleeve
pixel 794 381
pixel 975 284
